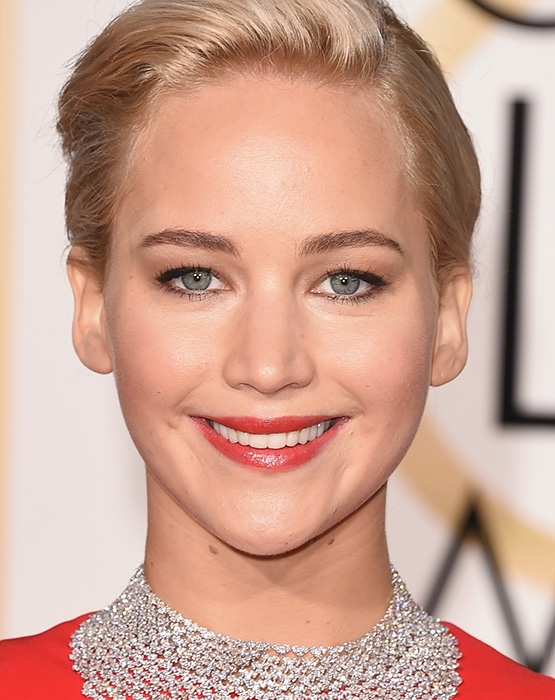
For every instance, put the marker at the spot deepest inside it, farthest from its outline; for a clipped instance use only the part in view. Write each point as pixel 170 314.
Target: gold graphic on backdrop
pixel 443 482
pixel 454 28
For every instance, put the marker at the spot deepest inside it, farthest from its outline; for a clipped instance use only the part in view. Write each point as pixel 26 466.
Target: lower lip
pixel 281 460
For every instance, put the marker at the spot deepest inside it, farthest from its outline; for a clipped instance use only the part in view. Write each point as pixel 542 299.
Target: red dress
pixel 38 668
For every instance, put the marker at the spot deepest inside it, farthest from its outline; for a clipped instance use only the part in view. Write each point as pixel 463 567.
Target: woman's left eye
pixel 350 285
pixel 190 280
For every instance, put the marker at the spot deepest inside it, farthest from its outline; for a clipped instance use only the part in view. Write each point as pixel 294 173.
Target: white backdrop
pixel 73 523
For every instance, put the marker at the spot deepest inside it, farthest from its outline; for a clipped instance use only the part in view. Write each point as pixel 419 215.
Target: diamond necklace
pixel 140 649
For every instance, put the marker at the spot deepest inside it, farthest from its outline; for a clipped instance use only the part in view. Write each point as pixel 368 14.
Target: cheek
pixel 386 368
pixel 385 359
pixel 158 357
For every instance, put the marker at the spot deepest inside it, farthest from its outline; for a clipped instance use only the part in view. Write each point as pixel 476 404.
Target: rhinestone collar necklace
pixel 140 648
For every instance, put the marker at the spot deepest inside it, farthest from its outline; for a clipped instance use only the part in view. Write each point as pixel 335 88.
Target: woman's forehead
pixel 270 143
pixel 250 106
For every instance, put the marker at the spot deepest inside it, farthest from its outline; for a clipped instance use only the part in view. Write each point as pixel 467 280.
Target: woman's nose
pixel 268 351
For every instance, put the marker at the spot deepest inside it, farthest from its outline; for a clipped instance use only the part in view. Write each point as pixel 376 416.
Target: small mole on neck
pixel 331 541
pixel 212 549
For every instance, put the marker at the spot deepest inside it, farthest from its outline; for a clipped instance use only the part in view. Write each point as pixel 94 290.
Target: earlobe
pixel 90 337
pixel 451 344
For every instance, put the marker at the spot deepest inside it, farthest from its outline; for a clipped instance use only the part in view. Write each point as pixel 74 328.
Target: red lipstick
pixel 259 426
pixel 275 460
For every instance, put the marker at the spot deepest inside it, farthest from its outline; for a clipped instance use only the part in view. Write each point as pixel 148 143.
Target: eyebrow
pixel 348 239
pixel 191 239
pixel 321 243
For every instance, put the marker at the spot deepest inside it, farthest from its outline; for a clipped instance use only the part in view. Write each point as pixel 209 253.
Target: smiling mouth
pixel 278 444
pixel 273 441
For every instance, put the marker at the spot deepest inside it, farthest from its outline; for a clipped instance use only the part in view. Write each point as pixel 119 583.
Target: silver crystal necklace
pixel 139 649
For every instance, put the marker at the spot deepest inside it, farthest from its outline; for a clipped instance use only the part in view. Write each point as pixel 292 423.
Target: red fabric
pixel 488 674
pixel 38 668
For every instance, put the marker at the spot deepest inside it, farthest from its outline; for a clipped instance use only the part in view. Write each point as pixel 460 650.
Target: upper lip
pixel 261 426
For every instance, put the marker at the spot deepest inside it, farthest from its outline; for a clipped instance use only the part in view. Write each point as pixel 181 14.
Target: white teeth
pixel 273 441
pixel 292 438
pixel 258 441
pixel 277 440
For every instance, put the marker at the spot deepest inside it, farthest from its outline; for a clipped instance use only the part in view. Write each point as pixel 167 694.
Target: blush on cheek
pixel 384 367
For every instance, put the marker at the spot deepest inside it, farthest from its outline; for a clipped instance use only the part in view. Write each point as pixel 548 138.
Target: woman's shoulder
pixel 38 667
pixel 487 674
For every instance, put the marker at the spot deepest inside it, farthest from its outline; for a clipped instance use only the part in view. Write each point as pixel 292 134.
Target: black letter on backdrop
pixel 511 413
pixel 473 527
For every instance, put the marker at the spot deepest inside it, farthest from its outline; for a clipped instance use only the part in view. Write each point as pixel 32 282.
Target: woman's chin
pixel 267 544
pixel 268 550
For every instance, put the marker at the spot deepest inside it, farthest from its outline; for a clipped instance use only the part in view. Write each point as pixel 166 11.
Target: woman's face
pixel 268 273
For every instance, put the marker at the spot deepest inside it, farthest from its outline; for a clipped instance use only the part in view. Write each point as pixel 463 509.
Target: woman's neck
pixel 332 589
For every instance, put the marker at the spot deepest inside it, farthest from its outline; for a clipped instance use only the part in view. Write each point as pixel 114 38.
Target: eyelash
pixel 376 282
pixel 170 273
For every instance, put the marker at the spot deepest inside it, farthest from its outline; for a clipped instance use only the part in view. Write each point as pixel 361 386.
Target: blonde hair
pixel 159 46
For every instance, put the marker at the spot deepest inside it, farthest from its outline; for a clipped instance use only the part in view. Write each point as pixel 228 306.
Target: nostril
pixel 268 359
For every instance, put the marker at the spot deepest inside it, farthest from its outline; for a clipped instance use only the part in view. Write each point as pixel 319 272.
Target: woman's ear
pixel 90 335
pixel 451 344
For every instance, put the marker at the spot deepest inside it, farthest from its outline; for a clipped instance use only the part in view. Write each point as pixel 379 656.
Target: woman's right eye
pixel 190 280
